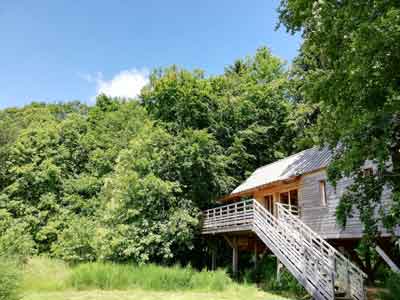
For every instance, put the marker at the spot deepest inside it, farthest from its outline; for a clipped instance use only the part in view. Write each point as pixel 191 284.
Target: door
pixel 269 203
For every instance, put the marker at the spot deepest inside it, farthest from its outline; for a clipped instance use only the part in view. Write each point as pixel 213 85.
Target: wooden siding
pixel 322 219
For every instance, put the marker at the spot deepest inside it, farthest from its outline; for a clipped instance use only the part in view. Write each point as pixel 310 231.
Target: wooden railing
pixel 233 217
pixel 316 264
pixel 348 276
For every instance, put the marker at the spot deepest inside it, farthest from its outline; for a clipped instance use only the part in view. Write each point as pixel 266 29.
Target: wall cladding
pixel 321 218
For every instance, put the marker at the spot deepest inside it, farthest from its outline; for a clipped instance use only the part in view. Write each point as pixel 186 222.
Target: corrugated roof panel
pixel 297 164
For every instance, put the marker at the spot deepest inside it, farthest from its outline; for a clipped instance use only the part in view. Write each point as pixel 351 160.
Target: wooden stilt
pixel 235 253
pixel 278 270
pixel 235 259
pixel 255 255
pixel 214 258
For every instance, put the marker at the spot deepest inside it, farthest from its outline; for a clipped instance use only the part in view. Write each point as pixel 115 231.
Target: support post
pixel 255 255
pixel 235 253
pixel 214 258
pixel 278 270
pixel 235 259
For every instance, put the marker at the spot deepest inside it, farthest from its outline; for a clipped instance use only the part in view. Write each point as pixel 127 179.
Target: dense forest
pixel 126 179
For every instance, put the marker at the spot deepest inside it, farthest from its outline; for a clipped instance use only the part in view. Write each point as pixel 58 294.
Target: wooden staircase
pixel 323 271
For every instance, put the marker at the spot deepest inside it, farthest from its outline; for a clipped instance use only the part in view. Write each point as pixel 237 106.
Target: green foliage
pixel 126 180
pixel 77 241
pixel 245 108
pixel 9 279
pixel 348 69
pixel 266 275
pixel 392 288
pixel 148 277
pixel 147 215
pixel 15 240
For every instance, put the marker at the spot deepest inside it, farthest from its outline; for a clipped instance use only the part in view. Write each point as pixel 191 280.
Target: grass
pixel 108 276
pixel 240 293
pixel 48 279
pixel 44 274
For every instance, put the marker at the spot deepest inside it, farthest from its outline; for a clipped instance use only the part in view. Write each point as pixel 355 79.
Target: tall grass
pixel 9 279
pixel 44 274
pixel 148 277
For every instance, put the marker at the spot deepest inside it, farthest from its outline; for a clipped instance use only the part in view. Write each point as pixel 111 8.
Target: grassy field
pixel 48 279
pixel 231 294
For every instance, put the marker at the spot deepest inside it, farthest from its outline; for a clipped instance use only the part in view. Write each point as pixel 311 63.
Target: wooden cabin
pixel 288 207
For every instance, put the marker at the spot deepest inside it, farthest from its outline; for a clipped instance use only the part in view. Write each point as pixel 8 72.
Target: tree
pixel 348 67
pixel 245 109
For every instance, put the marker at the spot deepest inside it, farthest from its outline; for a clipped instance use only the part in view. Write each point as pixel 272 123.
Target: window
pixel 294 199
pixel 290 200
pixel 284 198
pixel 322 191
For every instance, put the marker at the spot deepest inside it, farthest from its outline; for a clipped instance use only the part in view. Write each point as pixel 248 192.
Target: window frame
pixel 322 193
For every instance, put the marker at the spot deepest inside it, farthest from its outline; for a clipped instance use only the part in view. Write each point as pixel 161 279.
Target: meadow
pixel 49 279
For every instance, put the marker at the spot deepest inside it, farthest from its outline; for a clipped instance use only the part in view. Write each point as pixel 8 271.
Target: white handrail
pixel 346 273
pixel 314 262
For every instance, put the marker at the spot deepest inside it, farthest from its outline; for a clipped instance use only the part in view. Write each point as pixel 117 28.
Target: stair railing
pixel 348 276
pixel 313 261
pixel 308 267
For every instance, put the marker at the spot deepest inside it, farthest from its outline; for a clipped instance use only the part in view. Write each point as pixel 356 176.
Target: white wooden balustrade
pixel 319 267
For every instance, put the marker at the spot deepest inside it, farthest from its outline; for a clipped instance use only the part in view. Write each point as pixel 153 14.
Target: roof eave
pixel 257 188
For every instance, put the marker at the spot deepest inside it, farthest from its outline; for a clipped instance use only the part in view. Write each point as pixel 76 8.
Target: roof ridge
pixel 284 158
pixel 294 165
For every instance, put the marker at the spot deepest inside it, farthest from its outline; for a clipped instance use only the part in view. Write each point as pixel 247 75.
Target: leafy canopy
pixel 348 67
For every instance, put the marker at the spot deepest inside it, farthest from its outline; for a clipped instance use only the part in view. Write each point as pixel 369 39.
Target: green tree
pixel 154 195
pixel 245 109
pixel 348 67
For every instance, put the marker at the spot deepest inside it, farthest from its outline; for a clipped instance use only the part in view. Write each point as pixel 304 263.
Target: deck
pixel 319 267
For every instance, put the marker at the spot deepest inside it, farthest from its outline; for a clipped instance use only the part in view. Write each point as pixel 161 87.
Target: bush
pixel 266 275
pixel 15 239
pixel 76 243
pixel 148 277
pixel 9 279
pixel 392 288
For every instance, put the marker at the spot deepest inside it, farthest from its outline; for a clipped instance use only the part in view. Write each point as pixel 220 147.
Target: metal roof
pixel 297 164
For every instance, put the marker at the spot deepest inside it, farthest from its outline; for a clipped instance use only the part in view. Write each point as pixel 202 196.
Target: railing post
pixel 348 279
pixel 333 274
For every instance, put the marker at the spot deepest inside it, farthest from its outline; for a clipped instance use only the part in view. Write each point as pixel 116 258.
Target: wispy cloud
pixel 125 84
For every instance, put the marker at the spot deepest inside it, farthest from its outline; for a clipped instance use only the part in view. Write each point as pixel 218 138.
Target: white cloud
pixel 126 84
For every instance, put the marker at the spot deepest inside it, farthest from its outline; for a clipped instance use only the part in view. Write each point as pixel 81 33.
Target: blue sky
pixel 58 50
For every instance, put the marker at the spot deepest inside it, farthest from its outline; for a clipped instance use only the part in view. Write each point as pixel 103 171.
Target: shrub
pixel 76 242
pixel 9 279
pixel 392 286
pixel 44 274
pixel 266 275
pixel 15 240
